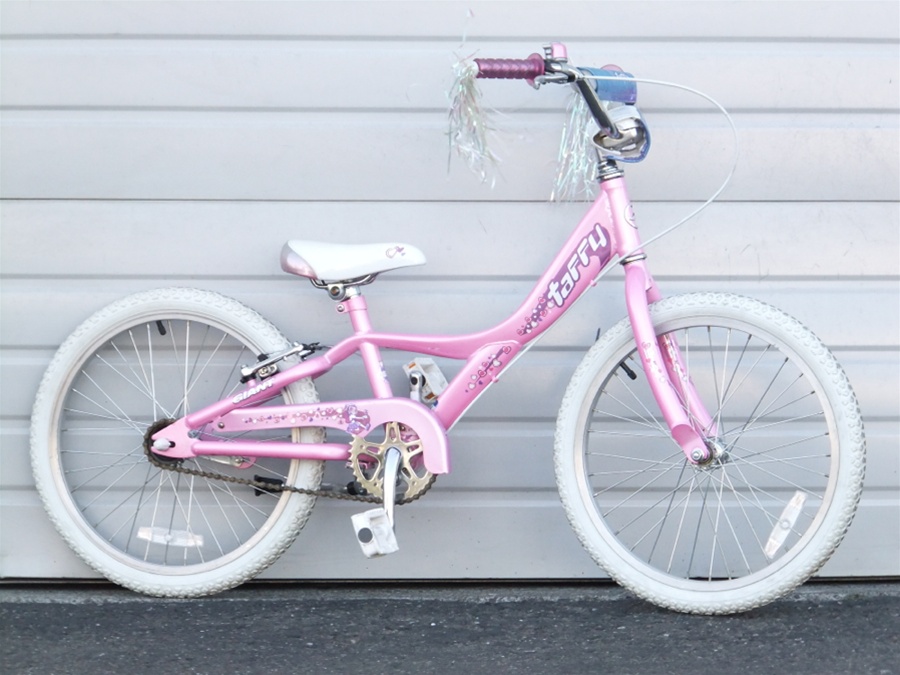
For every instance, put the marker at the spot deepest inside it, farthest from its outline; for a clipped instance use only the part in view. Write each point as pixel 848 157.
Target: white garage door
pixel 151 144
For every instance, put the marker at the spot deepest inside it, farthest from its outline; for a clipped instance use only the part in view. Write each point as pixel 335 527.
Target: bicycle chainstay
pixel 177 467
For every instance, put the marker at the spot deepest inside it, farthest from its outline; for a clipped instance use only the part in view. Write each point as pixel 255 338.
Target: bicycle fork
pixel 688 420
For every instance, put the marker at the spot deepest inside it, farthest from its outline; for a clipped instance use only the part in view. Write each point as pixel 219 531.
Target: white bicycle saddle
pixel 339 262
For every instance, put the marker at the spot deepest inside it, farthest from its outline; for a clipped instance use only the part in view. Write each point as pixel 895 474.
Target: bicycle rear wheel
pixel 755 522
pixel 148 358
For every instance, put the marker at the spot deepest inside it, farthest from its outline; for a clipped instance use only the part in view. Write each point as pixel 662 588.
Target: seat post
pixel 356 308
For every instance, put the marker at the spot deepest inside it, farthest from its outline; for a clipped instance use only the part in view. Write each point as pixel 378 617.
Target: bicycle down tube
pixel 607 232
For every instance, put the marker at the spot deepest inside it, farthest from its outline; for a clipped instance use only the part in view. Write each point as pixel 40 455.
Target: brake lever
pixel 555 78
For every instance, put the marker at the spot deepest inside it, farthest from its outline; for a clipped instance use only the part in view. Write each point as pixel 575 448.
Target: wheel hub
pixel 718 455
pixel 151 454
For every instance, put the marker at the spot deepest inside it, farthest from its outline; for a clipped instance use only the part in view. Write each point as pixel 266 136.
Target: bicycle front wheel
pixel 143 360
pixel 760 518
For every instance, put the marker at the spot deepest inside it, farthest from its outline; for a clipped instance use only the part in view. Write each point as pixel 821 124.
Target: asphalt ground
pixel 822 628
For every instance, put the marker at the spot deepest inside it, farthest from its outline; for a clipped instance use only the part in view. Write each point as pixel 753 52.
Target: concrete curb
pixel 99 593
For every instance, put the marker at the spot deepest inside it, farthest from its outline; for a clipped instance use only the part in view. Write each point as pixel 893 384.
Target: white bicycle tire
pixel 281 522
pixel 575 470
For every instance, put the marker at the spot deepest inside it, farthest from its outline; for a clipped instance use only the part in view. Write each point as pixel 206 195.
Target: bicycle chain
pixel 176 466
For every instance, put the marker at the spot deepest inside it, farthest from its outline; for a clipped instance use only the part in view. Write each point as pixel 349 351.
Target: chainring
pixel 367 462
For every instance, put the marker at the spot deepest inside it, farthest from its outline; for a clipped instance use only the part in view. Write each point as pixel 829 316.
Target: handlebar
pixel 552 67
pixel 511 69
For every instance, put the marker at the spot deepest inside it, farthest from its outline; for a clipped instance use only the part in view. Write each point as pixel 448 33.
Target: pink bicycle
pixel 709 449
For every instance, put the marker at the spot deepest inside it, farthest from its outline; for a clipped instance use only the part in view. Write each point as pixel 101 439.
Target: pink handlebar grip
pixel 511 69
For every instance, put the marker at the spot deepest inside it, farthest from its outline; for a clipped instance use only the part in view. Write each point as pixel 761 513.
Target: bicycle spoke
pixel 124 418
pixel 785 481
pixel 104 469
pixel 634 474
pixel 636 494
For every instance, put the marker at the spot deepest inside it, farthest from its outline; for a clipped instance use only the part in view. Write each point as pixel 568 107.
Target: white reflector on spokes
pixel 784 524
pixel 181 538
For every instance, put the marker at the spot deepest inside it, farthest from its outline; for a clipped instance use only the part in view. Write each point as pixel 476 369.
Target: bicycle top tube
pixel 603 234
pixel 601 237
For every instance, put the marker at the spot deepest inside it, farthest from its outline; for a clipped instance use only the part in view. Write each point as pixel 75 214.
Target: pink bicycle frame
pixel 607 232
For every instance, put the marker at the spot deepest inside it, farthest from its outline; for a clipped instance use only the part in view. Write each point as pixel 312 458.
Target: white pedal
pixel 435 382
pixel 375 533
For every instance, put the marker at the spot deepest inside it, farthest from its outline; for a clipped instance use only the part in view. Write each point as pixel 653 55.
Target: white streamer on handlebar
pixel 734 135
pixel 469 127
pixel 576 161
pixel 470 124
